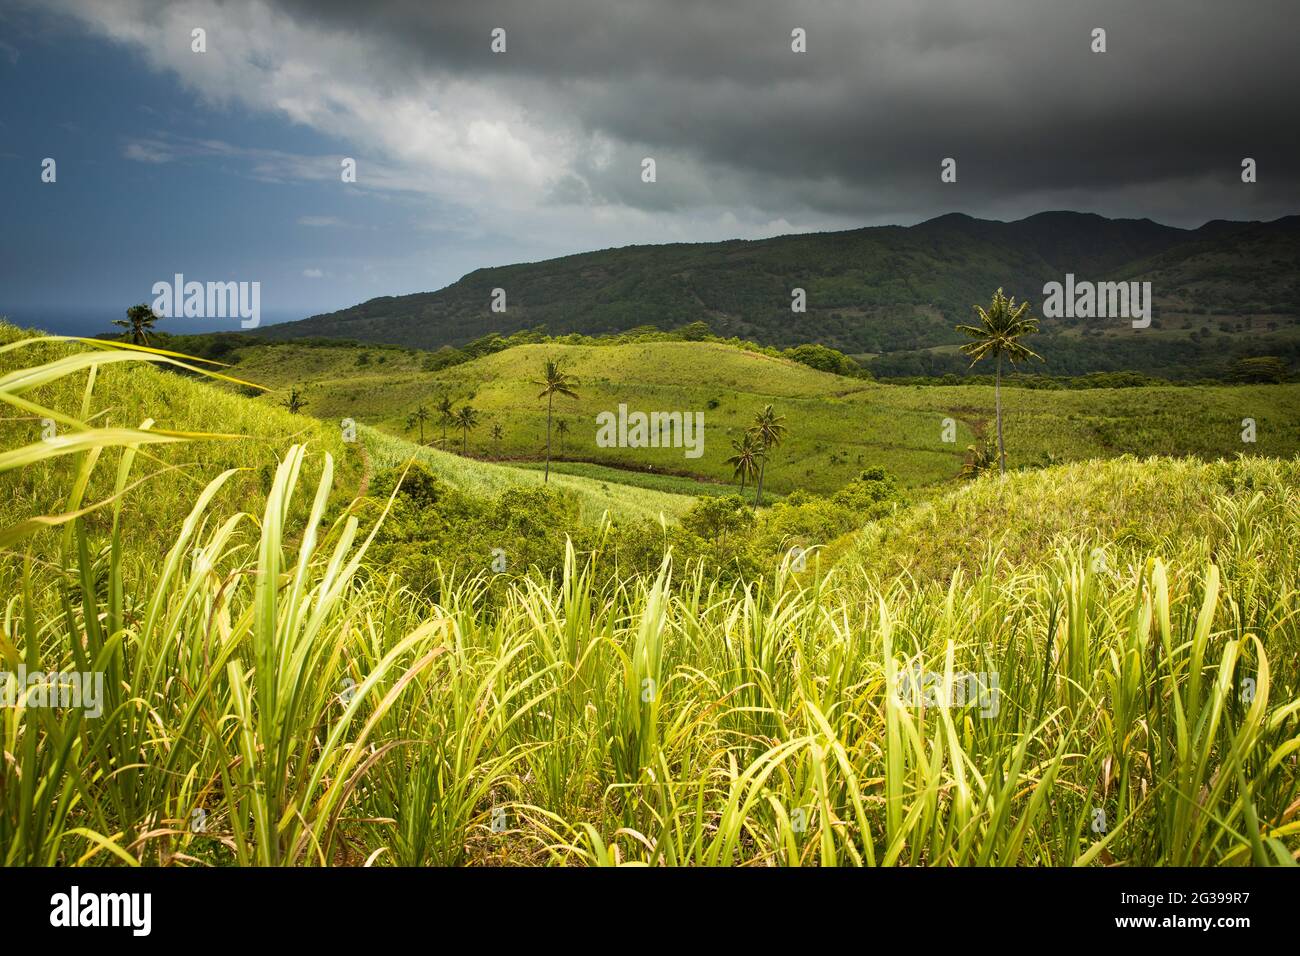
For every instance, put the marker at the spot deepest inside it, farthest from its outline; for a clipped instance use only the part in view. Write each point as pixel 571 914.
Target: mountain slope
pixel 879 289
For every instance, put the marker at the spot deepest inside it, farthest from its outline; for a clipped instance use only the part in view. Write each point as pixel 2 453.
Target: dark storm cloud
pixel 859 123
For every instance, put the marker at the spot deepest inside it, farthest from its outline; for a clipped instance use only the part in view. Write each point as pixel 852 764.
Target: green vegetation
pixel 839 426
pixel 745 461
pixel 446 416
pixel 981 458
pixel 309 710
pixel 295 402
pixel 592 495
pixel 657 481
pixel 891 295
pixel 417 419
pixel 466 420
pixel 313 656
pixel 1264 368
pixel 1128 508
pixel 768 431
pixel 126 393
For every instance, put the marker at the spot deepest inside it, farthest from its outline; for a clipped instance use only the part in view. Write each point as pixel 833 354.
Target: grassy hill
pixel 1114 512
pixel 879 290
pixel 125 396
pixel 261 429
pixel 265 671
pixel 594 496
pixel 837 425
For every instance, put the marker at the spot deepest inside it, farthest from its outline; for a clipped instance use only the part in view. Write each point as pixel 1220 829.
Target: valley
pixel 837 425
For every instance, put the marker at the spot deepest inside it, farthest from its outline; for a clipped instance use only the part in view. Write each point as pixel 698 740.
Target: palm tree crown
pixel 1001 327
pixel 139 320
pixel 419 416
pixel 445 416
pixel 555 381
pixel 745 460
pixel 466 421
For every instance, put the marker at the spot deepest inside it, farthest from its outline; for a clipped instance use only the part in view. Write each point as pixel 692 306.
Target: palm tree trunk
pixel 464 445
pixel 549 399
pixel 758 499
pixel 421 431
pixel 997 402
pixel 742 484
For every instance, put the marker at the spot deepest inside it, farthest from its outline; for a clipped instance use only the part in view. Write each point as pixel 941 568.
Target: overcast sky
pixel 226 164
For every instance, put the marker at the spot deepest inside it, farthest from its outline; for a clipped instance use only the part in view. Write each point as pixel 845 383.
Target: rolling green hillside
pixel 1113 513
pixel 837 426
pixel 878 290
pixel 260 430
pixel 128 395
pixel 593 496
pixel 330 693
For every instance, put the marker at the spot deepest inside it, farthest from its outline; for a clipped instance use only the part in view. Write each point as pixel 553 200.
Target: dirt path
pixel 366 469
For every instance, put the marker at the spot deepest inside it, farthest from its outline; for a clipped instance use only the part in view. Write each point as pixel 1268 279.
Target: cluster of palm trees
pixel 753 449
pixel 554 381
pixel 465 418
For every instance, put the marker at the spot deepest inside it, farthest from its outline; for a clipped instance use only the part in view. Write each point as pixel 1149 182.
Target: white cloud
pixel 436 134
pixel 515 171
pixel 147 152
pixel 319 221
pixel 313 274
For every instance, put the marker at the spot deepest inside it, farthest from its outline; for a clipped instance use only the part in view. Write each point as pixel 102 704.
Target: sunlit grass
pixel 838 425
pixel 1123 509
pixel 273 698
pixel 595 497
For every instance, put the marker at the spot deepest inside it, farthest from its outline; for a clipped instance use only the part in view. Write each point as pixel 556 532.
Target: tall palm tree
pixel 497 432
pixel 295 402
pixel 554 382
pixel 745 460
pixel 466 421
pixel 139 319
pixel 445 416
pixel 420 416
pixel 561 429
pixel 1001 327
pixel 768 431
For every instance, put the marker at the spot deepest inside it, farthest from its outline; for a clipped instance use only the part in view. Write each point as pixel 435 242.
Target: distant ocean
pixel 91 322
